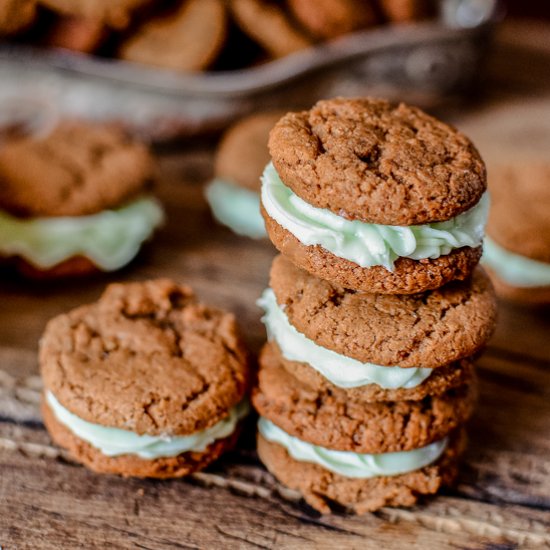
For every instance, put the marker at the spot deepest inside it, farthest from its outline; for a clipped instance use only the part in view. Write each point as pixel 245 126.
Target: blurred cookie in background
pixel 269 24
pixel 77 34
pixel 75 200
pixel 517 247
pixel 326 19
pixel 402 11
pixel 187 39
pixel 16 16
pixel 113 13
pixel 234 193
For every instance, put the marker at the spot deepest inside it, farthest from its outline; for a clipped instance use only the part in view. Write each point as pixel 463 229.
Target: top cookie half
pixel 378 162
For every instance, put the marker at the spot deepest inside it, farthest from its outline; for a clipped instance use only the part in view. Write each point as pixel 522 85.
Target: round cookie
pixel 268 25
pixel 187 40
pixel 114 13
pixel 242 153
pixel 16 16
pixel 326 19
pixel 518 254
pixel 408 276
pixel 149 359
pixel 322 488
pixel 371 160
pixel 332 417
pixel 77 169
pixel 428 329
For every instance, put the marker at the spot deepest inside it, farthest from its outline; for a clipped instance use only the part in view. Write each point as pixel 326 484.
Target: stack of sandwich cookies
pixel 234 193
pixel 75 201
pixel 146 382
pixel 517 248
pixel 363 396
pixel 377 197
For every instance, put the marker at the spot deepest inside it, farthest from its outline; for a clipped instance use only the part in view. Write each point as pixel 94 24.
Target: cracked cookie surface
pixel 79 168
pixel 428 329
pixel 147 357
pixel 381 163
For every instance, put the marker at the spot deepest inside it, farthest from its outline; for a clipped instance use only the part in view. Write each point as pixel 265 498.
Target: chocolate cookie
pixel 242 153
pixel 149 361
pixel 16 16
pixel 188 40
pixel 335 418
pixel 323 489
pixel 114 13
pixel 428 329
pixel 268 24
pixel 408 276
pixel 371 160
pixel 79 168
pixel 326 19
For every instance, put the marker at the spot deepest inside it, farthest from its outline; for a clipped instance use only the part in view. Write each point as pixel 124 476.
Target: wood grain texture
pixel 502 499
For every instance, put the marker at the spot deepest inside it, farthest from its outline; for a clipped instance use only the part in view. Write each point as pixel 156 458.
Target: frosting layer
pixel 236 207
pixel 515 269
pixel 115 442
pixel 110 239
pixel 342 371
pixel 350 464
pixel 369 244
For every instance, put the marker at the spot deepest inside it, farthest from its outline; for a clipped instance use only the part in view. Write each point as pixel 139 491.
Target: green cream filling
pixel 110 239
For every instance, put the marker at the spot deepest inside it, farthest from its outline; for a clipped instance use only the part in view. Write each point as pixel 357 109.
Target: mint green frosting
pixel 115 441
pixel 349 464
pixel 236 207
pixel 515 269
pixel 110 239
pixel 342 371
pixel 369 244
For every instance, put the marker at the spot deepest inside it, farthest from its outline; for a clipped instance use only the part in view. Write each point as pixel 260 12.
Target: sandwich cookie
pixel 145 382
pixel 187 40
pixel 517 247
pixel 341 419
pixel 397 333
pixel 75 201
pixel 374 196
pixel 234 193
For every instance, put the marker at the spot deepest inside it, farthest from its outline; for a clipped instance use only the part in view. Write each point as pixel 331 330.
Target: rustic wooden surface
pixel 502 499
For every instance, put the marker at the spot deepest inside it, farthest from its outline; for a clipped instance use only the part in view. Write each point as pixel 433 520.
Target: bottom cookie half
pixel 408 277
pixel 132 465
pixel 325 490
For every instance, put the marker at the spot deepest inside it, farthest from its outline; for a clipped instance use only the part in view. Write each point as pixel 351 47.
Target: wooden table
pixel 502 499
